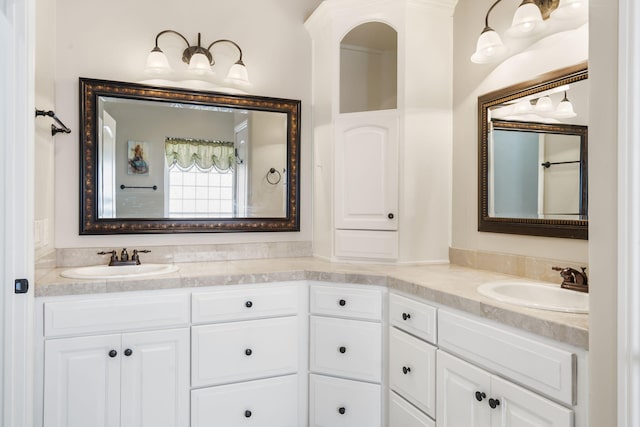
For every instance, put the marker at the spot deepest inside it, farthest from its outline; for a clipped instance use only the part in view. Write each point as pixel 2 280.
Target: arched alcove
pixel 369 68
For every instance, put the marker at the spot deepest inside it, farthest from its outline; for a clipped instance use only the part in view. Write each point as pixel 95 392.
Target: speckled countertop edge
pixel 449 285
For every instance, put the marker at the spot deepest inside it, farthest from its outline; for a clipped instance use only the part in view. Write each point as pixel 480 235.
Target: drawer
pixel 403 414
pixel 115 314
pixel 261 403
pixel 240 351
pixel 348 302
pixel 335 402
pixel 529 362
pixel 243 303
pixel 413 316
pixel 412 370
pixel 346 348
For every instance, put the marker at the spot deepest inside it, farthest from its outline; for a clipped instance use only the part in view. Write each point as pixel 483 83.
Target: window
pixel 195 193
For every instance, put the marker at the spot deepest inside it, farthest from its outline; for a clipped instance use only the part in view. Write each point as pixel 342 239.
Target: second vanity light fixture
pixel 199 59
pixel 529 20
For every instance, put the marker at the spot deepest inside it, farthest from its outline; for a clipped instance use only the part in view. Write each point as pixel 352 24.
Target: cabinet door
pixel 82 382
pixel 463 393
pixel 262 403
pixel 155 379
pixel 521 408
pixel 366 188
pixel 335 402
pixel 412 370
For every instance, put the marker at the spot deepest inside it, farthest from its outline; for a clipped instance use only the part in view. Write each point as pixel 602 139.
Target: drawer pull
pixel 406 316
pixel 342 350
pixel 342 410
pixel 128 352
pixel 248 304
pixel 113 353
pixel 494 403
pixel 247 414
pixel 248 352
pixel 342 303
pixel 480 396
pixel 406 370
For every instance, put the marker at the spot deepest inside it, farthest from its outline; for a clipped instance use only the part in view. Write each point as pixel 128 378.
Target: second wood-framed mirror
pixel 532 156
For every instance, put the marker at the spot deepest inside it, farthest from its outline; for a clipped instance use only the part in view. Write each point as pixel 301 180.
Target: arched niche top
pixel 369 68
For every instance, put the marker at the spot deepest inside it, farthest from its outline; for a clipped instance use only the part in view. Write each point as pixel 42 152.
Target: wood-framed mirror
pixel 169 160
pixel 532 156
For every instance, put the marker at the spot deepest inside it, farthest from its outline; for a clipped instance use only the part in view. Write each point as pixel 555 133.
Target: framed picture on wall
pixel 137 155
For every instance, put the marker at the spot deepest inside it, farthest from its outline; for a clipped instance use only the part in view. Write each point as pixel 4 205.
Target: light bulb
pixel 238 74
pixel 199 64
pixel 526 21
pixel 489 47
pixel 564 110
pixel 543 105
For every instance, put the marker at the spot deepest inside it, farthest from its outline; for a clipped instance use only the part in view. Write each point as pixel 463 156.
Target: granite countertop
pixel 450 285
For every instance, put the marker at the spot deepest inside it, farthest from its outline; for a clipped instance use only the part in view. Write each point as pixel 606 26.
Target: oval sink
pixel 118 271
pixel 541 295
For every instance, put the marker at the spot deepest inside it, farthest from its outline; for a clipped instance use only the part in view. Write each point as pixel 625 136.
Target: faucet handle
pixel 135 257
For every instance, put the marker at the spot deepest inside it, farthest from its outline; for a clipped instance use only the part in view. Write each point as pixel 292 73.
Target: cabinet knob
pixel 113 353
pixel 343 350
pixel 342 410
pixel 406 370
pixel 390 216
pixel 128 352
pixel 248 352
pixel 406 316
pixel 342 303
pixel 248 304
pixel 480 396
pixel 247 413
pixel 494 403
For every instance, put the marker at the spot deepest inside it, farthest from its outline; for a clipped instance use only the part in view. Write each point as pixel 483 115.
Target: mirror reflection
pixel 170 160
pixel 533 156
pixel 175 160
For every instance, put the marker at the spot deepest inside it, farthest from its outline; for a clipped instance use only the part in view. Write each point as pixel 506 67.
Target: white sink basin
pixel 118 271
pixel 541 295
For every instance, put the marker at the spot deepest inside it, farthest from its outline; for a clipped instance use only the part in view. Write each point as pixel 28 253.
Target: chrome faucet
pixel 124 257
pixel 573 279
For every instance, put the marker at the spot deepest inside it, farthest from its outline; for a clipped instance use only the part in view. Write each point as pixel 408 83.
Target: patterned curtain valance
pixel 206 154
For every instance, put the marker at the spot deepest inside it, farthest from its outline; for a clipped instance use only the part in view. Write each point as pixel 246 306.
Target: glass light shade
pixel 526 21
pixel 489 47
pixel 199 64
pixel 238 74
pixel 571 9
pixel 522 107
pixel 157 63
pixel 565 110
pixel 544 105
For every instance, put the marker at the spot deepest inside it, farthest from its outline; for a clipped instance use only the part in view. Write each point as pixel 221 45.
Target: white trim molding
pixel 629 214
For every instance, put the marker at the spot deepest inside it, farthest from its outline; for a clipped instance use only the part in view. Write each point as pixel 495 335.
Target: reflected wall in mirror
pixel 533 157
pixel 163 160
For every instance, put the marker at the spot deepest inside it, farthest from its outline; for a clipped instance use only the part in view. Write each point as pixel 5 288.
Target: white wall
pixel 111 41
pixel 44 143
pixel 472 80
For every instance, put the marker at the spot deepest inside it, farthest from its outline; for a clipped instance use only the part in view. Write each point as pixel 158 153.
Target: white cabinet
pixel 134 379
pixel 345 356
pixel 366 188
pixel 412 359
pixel 403 414
pixel 472 397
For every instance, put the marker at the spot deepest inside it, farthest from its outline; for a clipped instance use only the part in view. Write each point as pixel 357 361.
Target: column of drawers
pixel 244 357
pixel 412 363
pixel 345 356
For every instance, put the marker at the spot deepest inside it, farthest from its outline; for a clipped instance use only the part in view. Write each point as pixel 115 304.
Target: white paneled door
pixel 16 210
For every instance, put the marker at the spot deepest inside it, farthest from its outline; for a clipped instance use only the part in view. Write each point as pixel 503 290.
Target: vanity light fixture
pixel 199 59
pixel 564 110
pixel 529 20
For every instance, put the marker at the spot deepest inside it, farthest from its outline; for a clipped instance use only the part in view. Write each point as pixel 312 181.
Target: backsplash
pixel 517 265
pixel 78 257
